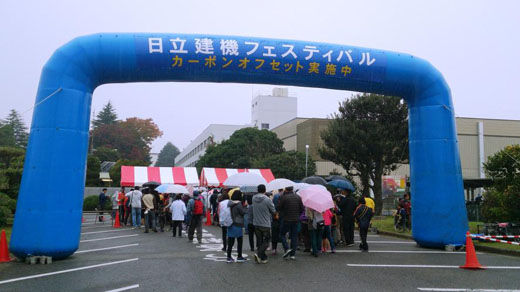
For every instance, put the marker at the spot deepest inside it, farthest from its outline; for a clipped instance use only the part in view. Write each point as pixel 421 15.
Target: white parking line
pixel 403 251
pixel 66 271
pixel 429 266
pixel 107 248
pixel 91 227
pixel 104 231
pixel 107 238
pixel 463 289
pixel 97 224
pixel 124 288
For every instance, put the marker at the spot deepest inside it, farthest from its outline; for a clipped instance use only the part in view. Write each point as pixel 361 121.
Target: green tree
pixel 107 116
pixel 369 138
pixel 106 154
pixel 7 138
pixel 289 164
pixel 20 130
pixel 11 169
pixel 132 138
pixel 7 208
pixel 242 149
pixel 502 200
pixel 93 169
pixel 115 171
pixel 167 155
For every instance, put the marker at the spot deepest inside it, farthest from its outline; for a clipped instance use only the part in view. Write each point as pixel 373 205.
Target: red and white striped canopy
pixel 138 175
pixel 215 177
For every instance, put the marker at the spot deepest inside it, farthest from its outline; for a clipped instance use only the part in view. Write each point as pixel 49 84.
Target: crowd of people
pixel 267 218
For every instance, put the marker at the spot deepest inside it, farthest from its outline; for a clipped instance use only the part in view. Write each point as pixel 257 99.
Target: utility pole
pixel 306 158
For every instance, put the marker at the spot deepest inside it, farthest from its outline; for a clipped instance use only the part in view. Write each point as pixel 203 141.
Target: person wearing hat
pixel 196 210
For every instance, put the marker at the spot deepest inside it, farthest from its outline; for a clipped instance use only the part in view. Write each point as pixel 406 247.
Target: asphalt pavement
pixel 126 259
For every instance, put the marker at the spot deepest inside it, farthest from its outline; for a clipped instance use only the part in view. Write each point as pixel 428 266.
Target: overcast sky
pixel 475 44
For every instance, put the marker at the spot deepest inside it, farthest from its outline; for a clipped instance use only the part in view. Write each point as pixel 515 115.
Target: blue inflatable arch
pixel 49 210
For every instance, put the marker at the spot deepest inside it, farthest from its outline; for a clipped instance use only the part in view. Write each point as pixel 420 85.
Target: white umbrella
pixel 172 189
pixel 279 183
pixel 244 179
pixel 301 186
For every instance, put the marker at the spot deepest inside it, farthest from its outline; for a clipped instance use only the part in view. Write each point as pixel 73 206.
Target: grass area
pixel 387 224
pixel 497 245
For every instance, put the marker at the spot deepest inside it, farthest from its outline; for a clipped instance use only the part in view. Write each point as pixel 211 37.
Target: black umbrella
pixel 335 177
pixel 315 180
pixel 151 184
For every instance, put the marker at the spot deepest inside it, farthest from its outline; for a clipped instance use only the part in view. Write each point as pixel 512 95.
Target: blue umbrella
pixel 342 184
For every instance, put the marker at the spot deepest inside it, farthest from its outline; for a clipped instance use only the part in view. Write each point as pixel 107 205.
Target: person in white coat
pixel 178 209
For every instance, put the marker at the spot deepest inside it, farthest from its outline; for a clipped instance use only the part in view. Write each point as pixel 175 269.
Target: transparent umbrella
pixel 172 189
pixel 279 183
pixel 244 179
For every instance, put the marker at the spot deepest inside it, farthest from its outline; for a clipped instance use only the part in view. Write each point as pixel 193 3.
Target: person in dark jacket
pixel 363 214
pixel 235 230
pixel 250 226
pixel 347 205
pixel 290 208
pixel 213 200
pixel 101 203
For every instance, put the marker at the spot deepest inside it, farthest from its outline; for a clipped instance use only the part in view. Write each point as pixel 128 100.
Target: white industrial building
pixel 270 111
pixel 267 112
pixel 214 133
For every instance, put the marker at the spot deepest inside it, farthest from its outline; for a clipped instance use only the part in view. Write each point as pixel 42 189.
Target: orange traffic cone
pixel 4 250
pixel 117 224
pixel 471 257
pixel 208 218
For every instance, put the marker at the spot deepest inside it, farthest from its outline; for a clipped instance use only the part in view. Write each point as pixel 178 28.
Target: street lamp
pixel 306 158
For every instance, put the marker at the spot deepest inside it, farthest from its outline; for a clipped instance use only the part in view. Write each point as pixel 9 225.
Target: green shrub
pixel 4 214
pixel 6 201
pixel 90 203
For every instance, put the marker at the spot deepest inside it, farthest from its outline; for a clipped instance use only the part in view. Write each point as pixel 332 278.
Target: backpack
pixel 198 207
pixel 318 221
pixel 225 215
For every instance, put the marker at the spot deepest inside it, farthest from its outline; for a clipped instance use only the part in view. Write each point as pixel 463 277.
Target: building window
pixel 265 126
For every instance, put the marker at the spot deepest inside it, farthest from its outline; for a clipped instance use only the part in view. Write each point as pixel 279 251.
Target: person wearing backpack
pixel 363 214
pixel 196 210
pixel 315 225
pixel 224 215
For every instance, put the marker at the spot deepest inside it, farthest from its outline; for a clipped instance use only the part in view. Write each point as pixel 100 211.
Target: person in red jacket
pixel 121 204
